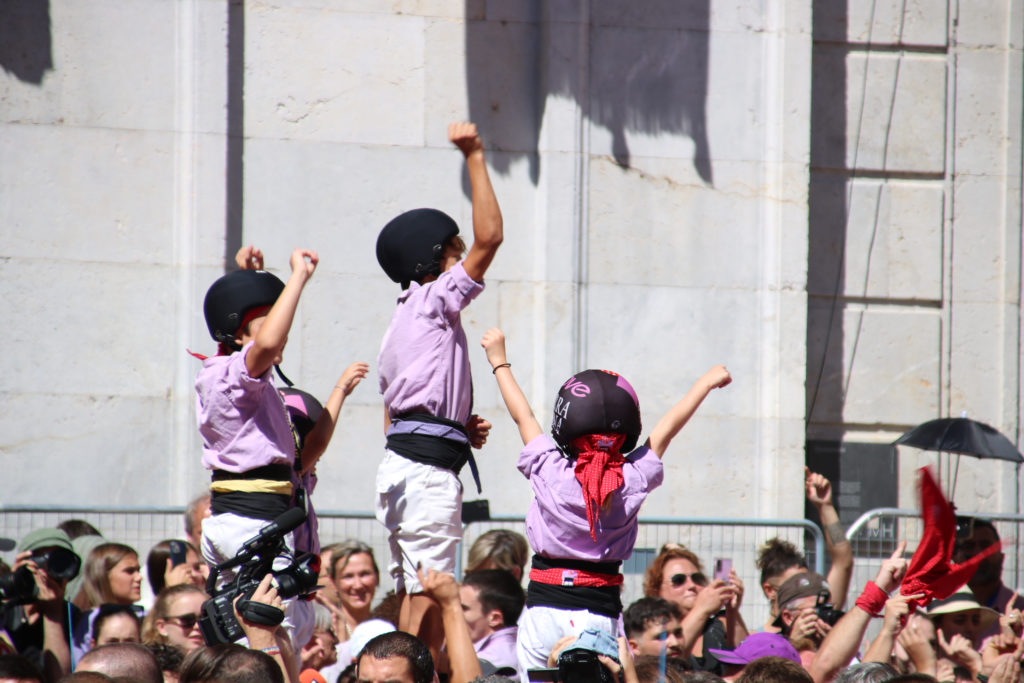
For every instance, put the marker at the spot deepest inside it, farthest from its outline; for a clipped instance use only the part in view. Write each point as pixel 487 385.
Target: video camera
pixel 19 587
pixel 255 560
pixel 578 663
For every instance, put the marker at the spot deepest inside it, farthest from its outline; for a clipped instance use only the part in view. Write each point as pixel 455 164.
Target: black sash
pixel 605 600
pixel 435 450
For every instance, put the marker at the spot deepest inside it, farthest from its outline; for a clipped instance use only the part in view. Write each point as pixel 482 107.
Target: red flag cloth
pixel 931 570
pixel 598 470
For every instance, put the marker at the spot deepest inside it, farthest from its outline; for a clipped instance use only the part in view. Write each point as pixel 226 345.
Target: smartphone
pixel 723 566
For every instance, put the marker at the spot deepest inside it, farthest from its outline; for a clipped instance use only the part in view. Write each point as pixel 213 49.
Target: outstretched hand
pixel 717 377
pixel 304 261
pixel 464 136
pixel 249 258
pixel 891 573
pixel 818 488
pixel 478 429
pixel 353 375
pixel 441 588
pixel 494 346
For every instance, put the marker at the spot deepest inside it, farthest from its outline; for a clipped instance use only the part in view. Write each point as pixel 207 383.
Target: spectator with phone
pixel 710 609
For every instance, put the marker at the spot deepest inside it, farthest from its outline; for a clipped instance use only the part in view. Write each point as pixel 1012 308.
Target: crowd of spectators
pixel 686 626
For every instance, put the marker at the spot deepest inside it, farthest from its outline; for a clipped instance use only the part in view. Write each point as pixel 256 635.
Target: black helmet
pixel 303 409
pixel 228 299
pixel 411 246
pixel 596 402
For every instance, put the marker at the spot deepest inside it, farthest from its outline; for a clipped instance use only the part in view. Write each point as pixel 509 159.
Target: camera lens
pixel 59 563
pixel 19 585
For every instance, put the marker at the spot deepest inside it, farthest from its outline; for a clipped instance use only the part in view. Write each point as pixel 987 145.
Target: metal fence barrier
pixel 710 538
pixel 876 533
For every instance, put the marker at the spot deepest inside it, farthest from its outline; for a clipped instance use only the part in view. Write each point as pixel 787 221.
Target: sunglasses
pixel 186 622
pixel 680 579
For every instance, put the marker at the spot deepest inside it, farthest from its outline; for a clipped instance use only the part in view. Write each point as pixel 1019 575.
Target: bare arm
pixel 461 655
pixel 323 430
pixel 819 494
pixel 487 221
pixel 518 407
pixel 270 639
pixel 273 333
pixel 896 611
pixel 712 599
pixel 680 414
pixel 841 643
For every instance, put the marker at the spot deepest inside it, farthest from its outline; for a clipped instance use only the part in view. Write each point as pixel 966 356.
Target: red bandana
pixel 598 469
pixel 931 570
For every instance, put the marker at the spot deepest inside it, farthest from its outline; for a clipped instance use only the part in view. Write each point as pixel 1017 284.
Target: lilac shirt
pixel 499 648
pixel 242 419
pixel 424 358
pixel 556 523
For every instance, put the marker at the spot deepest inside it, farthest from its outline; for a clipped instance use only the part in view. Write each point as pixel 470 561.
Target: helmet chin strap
pixel 284 378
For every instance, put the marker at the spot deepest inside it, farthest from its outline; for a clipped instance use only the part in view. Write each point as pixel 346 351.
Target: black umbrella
pixel 962 436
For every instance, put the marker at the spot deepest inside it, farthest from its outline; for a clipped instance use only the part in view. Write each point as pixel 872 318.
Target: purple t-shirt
pixel 424 358
pixel 499 648
pixel 556 523
pixel 242 419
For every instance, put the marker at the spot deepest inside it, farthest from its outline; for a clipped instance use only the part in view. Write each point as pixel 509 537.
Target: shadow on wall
pixel 640 67
pixel 25 43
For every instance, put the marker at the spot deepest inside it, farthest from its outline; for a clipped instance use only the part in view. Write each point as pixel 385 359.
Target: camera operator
pixel 269 639
pixel 36 616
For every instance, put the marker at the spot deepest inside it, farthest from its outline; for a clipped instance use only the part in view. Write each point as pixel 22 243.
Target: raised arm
pixel 323 430
pixel 487 221
pixel 461 655
pixel 819 494
pixel 518 407
pixel 272 335
pixel 680 414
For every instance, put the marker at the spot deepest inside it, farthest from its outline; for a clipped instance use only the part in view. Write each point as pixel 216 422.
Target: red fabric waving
pixel 931 570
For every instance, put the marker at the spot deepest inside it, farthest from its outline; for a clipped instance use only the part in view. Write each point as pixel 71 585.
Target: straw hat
pixel 962 601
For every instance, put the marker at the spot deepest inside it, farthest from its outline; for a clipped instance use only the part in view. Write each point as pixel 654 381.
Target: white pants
pixel 421 506
pixel 223 536
pixel 541 627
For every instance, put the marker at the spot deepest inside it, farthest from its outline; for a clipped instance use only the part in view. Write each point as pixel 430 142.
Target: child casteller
pixel 250 444
pixel 426 383
pixel 589 480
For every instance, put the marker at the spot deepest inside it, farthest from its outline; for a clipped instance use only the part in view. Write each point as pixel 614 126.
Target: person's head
pixel 491 600
pixel 675 575
pixel 173 562
pixel 395 657
pixel 174 619
pixel 419 245
pixel 328 591
pixel 961 614
pixel 595 402
pixel 320 650
pixel 112 575
pixel 88 677
pixel 651 624
pixel 973 536
pixel 115 624
pixel 168 658
pixel 355 575
pixel 774 670
pixel 755 646
pixel 53 553
pixel 78 527
pixel 196 511
pixel 648 670
pixel 867 672
pixel 798 597
pixel 778 560
pixel 122 660
pixel 19 669
pixel 229 663
pixel 237 304
pixel 499 549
